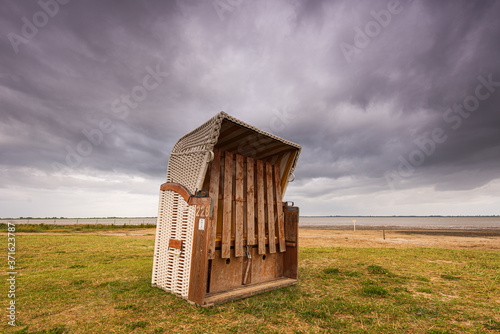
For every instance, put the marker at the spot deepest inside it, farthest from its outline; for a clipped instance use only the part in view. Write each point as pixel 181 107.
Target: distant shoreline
pixel 488 229
pixel 401 223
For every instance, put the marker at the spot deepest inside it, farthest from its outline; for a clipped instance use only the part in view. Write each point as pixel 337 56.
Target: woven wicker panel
pixel 189 158
pixel 171 268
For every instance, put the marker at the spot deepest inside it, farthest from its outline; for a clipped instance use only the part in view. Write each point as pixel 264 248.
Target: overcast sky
pixel 395 104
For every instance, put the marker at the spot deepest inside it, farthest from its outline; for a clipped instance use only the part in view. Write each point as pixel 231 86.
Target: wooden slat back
pixel 251 205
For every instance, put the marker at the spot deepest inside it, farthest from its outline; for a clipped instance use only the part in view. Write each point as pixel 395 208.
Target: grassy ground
pixel 36 228
pixel 92 283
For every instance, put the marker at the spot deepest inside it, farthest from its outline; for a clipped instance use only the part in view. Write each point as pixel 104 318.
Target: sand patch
pixel 400 239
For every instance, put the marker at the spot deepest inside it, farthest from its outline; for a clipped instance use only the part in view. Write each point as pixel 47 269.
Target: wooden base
pixel 247 291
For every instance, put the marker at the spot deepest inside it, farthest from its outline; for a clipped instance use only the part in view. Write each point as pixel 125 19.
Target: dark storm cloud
pixel 423 63
pixel 279 65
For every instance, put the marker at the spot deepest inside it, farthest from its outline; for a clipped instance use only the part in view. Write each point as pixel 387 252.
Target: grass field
pixel 35 228
pixel 73 282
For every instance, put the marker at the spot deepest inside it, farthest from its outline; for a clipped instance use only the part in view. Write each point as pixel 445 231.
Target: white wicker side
pixel 171 268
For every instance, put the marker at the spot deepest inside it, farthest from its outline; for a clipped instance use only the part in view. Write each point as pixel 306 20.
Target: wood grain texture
pixel 290 257
pixel 199 259
pixel 263 267
pixel 279 264
pixel 172 243
pixel 270 207
pixel 228 205
pixel 250 202
pixel 226 273
pixel 291 230
pixel 178 188
pixel 238 227
pixel 279 209
pixel 213 192
pixel 247 264
pixel 247 291
pixel 261 219
pixel 184 192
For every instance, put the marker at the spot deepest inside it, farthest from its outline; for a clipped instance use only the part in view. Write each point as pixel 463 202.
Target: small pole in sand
pixel 383 231
pixel 354 222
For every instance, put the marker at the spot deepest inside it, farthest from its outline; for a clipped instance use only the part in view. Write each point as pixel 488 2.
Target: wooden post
pixel 290 257
pixel 199 260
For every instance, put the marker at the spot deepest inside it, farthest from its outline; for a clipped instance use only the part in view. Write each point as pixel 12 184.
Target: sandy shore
pixel 455 239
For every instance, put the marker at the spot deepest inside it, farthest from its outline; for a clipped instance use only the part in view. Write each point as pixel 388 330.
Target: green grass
pixel 450 277
pixel 36 228
pixel 377 270
pixel 89 283
pixel 371 288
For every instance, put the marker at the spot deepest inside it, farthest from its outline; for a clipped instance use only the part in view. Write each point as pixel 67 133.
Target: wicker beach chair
pixel 223 230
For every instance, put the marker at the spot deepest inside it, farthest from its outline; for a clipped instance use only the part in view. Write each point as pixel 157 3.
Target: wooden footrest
pixel 247 291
